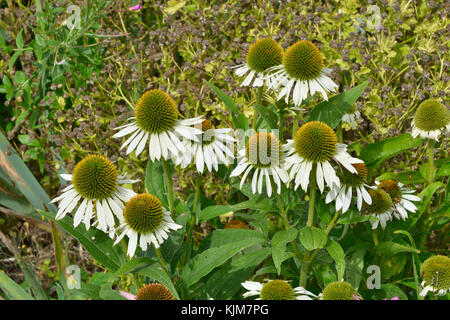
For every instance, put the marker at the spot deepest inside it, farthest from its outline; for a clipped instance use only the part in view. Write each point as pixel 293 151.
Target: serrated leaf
pixel 312 238
pixel 335 250
pixel 279 242
pixel 331 111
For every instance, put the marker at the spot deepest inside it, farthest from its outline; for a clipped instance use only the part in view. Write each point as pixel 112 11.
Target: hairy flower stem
pixel 281 126
pixel 137 279
pixel 339 133
pixel 192 222
pixel 312 198
pixel 283 215
pixel 169 187
pixel 258 102
pixel 161 260
pixel 430 153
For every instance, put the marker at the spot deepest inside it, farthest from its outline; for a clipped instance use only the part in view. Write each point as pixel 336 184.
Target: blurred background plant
pixel 65 86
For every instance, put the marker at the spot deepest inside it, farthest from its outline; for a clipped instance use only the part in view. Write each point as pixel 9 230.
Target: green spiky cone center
pixel 392 188
pixel 436 272
pixel 277 290
pixel 95 177
pixel 263 54
pixel 315 141
pixel 208 132
pixel 143 213
pixel 154 291
pixel 381 201
pixel 339 290
pixel 303 61
pixel 353 179
pixel 431 115
pixel 156 112
pixel 263 150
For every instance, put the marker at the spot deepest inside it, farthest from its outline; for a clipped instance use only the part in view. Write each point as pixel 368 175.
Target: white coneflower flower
pixel 351 117
pixel 302 71
pixel 276 290
pixel 215 146
pixel 339 290
pixel 315 143
pixel 262 55
pixel 96 184
pixel 264 155
pixel 349 182
pixel 381 207
pixel 401 197
pixel 156 120
pixel 435 272
pixel 431 120
pixel 145 222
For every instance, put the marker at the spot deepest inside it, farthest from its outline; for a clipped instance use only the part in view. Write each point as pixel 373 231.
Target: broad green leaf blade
pixel 391 291
pixel 95 241
pixel 390 248
pixel 312 238
pixel 15 291
pixel 331 111
pixel 337 253
pixel 156 273
pixel 239 120
pixel 134 265
pixel 214 211
pixel 221 237
pixel 279 242
pixel 251 259
pixel 376 153
pixel 205 262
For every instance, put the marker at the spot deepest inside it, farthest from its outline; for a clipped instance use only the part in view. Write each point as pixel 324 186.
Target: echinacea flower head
pixel 95 182
pixel 276 290
pixel 146 221
pixel 339 290
pixel 380 208
pixel 154 291
pixel 215 146
pixel 262 55
pixel 435 272
pixel 302 71
pixel 262 153
pixel 431 120
pixel 349 182
pixel 156 120
pixel 315 143
pixel 401 197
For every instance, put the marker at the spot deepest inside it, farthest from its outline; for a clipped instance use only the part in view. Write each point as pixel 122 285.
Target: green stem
pixel 339 133
pixel 259 102
pixel 283 215
pixel 375 237
pixel 430 153
pixel 295 125
pixel 161 261
pixel 60 261
pixel 192 222
pixel 137 279
pixel 281 126
pixel 312 195
pixel 312 199
pixel 169 187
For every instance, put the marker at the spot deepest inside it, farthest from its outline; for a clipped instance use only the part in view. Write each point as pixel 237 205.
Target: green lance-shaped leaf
pixel 15 291
pixel 331 111
pixel 337 253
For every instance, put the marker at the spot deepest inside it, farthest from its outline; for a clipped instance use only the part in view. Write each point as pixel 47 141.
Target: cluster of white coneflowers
pixel 312 159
